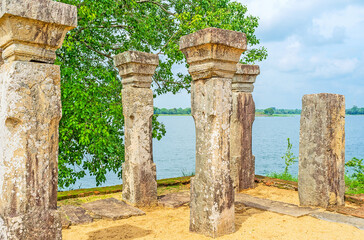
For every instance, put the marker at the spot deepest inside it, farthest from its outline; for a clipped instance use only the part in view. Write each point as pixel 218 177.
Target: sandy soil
pixel 170 224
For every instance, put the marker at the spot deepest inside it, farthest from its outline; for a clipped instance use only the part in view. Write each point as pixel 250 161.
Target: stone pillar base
pixel 31 226
pixel 321 180
pixel 140 187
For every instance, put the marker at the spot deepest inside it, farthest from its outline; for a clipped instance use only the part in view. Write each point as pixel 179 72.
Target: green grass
pixel 118 188
pixel 353 186
pixel 283 176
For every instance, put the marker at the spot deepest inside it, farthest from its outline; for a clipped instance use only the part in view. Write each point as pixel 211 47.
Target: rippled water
pixel 175 153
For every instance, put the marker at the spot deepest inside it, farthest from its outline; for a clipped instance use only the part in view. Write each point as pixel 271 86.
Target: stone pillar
pixel 139 171
pixel 212 55
pixel 322 150
pixel 243 115
pixel 30 110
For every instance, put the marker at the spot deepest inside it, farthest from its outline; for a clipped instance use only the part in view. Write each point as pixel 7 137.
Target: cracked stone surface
pixel 111 208
pixel 273 206
pixel 242 163
pixel 75 215
pixel 321 179
pixel 174 200
pixel 139 170
pixel 212 55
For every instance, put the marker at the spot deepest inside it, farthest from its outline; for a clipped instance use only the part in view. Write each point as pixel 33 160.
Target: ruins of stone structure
pixel 212 55
pixel 139 171
pixel 30 33
pixel 242 164
pixel 322 150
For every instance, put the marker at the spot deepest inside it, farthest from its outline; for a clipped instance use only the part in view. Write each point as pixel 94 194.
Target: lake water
pixel 174 155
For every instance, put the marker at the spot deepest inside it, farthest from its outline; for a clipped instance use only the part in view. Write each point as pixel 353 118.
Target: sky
pixel 313 46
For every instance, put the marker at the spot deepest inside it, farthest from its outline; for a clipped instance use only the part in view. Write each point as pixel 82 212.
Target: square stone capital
pixel 245 77
pixel 32 30
pixel 213 52
pixel 136 68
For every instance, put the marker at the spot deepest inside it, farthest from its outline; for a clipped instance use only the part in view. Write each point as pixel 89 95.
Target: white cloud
pixel 330 68
pixel 350 18
pixel 272 12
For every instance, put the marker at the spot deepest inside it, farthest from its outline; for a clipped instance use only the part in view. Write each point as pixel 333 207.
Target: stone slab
pixel 273 206
pixel 66 223
pixel 174 200
pixel 339 218
pixel 112 208
pixel 75 215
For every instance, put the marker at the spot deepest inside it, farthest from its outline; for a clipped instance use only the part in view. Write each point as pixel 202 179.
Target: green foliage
pixel 355 111
pixel 186 173
pixel 284 176
pixel 288 157
pixel 353 186
pixel 91 130
pixel 173 111
pixel 269 111
pixel 358 167
pixel 289 160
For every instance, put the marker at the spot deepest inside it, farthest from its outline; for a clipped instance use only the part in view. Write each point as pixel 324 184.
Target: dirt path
pixel 170 224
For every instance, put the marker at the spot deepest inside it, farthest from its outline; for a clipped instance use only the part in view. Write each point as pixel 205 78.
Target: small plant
pixel 288 157
pixel 289 160
pixel 187 174
pixel 358 166
pixel 355 181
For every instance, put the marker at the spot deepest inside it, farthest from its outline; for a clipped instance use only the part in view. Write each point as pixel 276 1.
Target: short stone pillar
pixel 212 55
pixel 322 150
pixel 30 110
pixel 139 171
pixel 242 164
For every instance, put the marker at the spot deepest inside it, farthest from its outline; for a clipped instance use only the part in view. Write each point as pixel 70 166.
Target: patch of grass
pixel 283 176
pixel 118 188
pixel 353 186
pixel 188 174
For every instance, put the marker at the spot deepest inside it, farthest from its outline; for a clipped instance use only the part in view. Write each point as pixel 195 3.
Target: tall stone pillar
pixel 322 150
pixel 212 55
pixel 30 110
pixel 139 171
pixel 243 115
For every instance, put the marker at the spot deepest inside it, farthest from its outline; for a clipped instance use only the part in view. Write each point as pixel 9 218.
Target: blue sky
pixel 313 46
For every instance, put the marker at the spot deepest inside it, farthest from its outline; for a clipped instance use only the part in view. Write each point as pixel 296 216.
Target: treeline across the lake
pixel 173 111
pixel 268 111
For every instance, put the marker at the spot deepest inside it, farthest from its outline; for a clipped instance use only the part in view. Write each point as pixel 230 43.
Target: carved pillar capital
pixel 32 30
pixel 136 68
pixel 245 77
pixel 213 52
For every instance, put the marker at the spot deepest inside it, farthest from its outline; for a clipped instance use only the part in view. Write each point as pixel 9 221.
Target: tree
pixel 269 111
pixel 92 123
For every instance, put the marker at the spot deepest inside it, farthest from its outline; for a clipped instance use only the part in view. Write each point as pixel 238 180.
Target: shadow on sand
pixel 124 231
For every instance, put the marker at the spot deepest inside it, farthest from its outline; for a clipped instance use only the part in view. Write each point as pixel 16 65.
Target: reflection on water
pixel 175 153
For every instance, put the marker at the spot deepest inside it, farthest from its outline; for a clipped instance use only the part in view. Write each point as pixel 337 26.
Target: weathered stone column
pixel 30 110
pixel 139 171
pixel 243 115
pixel 212 55
pixel 322 150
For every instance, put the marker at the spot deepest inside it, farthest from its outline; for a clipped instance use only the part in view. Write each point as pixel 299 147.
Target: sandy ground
pixel 170 224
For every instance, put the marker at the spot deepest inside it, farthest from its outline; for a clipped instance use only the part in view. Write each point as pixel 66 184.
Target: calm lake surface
pixel 174 155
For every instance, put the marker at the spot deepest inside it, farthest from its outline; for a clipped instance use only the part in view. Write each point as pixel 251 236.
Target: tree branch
pixel 99 52
pixel 158 4
pixel 169 40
